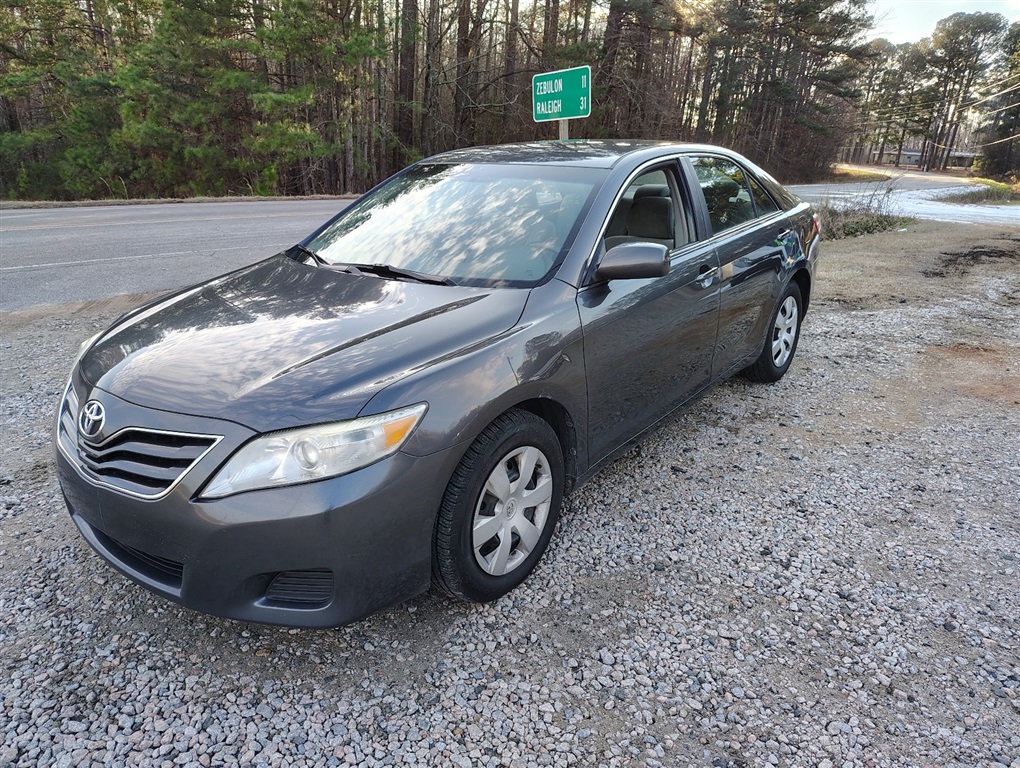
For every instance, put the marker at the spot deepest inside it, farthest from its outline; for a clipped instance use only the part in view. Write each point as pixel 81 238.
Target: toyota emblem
pixel 91 418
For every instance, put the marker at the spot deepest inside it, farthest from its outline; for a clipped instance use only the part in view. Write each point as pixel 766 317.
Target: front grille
pixel 146 463
pixel 301 589
pixel 143 462
pixel 161 569
pixel 67 427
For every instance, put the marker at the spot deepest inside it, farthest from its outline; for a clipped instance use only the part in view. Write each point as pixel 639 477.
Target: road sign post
pixel 562 95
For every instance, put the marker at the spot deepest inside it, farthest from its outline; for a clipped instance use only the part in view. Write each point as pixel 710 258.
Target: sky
pixel 907 21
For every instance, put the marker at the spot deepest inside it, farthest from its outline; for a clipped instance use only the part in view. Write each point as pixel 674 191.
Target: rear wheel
pixel 500 509
pixel 781 343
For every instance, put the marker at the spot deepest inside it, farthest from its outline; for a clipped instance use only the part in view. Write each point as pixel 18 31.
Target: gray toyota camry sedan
pixel 404 397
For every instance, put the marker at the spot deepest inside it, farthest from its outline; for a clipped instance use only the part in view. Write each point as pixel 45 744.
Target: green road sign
pixel 561 95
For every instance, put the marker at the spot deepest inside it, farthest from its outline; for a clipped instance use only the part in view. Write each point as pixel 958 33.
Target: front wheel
pixel 781 343
pixel 500 509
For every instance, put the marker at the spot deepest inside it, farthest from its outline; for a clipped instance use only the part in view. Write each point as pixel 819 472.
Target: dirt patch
pixel 961 262
pixel 977 365
pixel 896 267
pixel 21 319
pixel 983 372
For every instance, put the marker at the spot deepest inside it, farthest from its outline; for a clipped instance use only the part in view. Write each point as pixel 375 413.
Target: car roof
pixel 578 152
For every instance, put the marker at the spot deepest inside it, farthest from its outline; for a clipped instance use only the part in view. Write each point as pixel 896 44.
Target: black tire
pixel 508 442
pixel 770 367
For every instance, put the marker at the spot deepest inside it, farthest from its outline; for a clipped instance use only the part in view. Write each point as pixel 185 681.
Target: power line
pixel 1003 109
pixel 911 110
pixel 1000 93
pixel 975 146
pixel 1004 79
pixel 994 84
pixel 917 111
pixel 998 141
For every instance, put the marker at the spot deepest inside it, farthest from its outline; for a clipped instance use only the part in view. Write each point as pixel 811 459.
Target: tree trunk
pixel 463 114
pixel 405 80
pixel 433 49
pixel 550 33
pixel 611 42
pixel 510 78
pixel 701 130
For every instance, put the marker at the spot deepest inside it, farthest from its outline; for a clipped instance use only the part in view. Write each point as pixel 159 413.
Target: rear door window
pixel 762 202
pixel 726 191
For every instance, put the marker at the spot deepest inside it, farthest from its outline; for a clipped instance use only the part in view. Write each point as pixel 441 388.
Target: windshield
pixel 478 224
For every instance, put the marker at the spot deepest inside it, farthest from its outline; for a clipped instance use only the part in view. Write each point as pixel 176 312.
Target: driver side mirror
pixel 633 261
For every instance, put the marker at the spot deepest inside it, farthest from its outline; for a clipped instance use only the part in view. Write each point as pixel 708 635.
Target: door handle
pixel 706 275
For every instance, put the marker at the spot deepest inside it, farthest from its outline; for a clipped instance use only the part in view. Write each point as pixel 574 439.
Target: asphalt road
pixel 901 179
pixel 60 255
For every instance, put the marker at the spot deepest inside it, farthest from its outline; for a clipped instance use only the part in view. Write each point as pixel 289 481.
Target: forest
pixel 178 98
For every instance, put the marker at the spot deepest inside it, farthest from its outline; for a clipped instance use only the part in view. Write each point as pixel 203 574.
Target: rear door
pixel 648 344
pixel 751 236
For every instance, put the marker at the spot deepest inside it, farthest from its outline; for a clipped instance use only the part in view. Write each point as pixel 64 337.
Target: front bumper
pixel 320 554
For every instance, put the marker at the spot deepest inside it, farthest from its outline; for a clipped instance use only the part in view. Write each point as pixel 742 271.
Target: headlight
pixel 312 453
pixel 85 345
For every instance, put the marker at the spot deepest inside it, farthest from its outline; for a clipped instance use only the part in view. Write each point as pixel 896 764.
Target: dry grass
pixel 841 175
pixel 865 214
pixel 995 192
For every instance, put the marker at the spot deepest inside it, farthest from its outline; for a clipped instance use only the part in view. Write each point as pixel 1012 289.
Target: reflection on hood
pixel 283 338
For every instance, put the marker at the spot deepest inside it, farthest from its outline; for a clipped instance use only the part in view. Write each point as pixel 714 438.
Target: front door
pixel 648 344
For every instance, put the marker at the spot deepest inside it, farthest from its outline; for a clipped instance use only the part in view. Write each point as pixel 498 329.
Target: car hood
pixel 283 343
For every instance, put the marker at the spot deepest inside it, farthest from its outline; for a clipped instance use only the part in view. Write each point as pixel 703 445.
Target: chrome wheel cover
pixel 784 332
pixel 512 510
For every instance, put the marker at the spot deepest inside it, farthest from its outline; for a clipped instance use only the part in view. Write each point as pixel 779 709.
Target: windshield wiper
pixel 382 270
pixel 306 251
pixel 388 270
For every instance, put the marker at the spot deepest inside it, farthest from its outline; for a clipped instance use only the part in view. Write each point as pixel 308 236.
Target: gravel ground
pixel 819 573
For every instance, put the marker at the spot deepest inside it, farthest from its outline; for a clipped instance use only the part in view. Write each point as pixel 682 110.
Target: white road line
pixel 24 267
pixel 151 221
